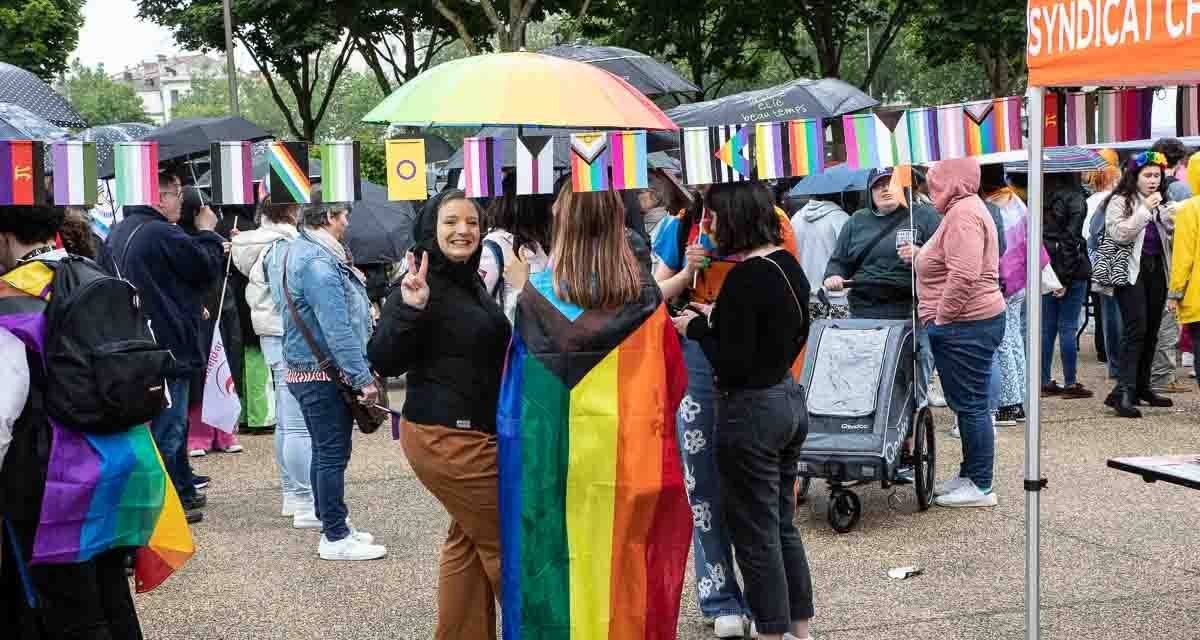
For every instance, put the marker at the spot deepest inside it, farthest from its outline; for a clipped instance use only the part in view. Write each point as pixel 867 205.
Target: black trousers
pixel 759 436
pixel 1141 307
pixel 1098 325
pixel 84 601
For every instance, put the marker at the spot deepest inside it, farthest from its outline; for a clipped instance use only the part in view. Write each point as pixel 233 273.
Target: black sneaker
pixel 193 516
pixel 1007 416
pixel 198 502
pixel 201 482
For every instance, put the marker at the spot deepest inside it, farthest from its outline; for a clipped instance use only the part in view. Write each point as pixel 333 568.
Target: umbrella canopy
pixel 192 136
pixel 22 88
pixel 517 89
pixel 437 148
pixel 646 74
pixel 18 123
pixel 508 145
pixel 836 179
pixel 800 98
pixel 1063 160
pixel 106 136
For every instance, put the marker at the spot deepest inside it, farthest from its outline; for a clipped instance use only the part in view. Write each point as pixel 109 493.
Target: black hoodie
pixel 453 349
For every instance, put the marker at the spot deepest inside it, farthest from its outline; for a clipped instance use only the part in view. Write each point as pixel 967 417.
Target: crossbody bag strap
pixel 886 231
pixel 325 362
pixel 118 264
pixel 795 298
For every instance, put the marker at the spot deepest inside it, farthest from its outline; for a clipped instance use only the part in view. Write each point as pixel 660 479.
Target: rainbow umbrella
pixel 514 89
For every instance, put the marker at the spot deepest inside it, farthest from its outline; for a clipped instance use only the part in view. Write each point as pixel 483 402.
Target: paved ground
pixel 1120 557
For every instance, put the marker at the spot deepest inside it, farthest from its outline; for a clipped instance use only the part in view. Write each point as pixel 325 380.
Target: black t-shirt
pixel 757 329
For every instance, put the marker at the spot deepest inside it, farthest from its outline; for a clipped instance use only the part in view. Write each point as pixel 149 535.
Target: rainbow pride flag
pixel 789 149
pixel 992 126
pixel 589 162
pixel 627 155
pixel 102 491
pixel 594 521
pixel 136 166
pixel 288 173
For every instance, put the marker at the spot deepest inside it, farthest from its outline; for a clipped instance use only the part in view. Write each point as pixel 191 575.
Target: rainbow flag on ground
pixel 589 162
pixel 102 491
pixel 74 173
pixel 789 149
pixel 627 155
pixel 288 173
pixel 594 521
pixel 136 166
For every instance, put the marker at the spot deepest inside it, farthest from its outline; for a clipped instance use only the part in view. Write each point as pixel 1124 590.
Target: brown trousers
pixel 459 468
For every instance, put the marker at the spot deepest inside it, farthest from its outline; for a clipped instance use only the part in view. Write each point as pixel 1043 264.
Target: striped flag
pixel 136 167
pixel 481 175
pixel 406 179
pixel 696 149
pixel 627 155
pixel 589 162
pixel 1187 111
pixel 876 140
pixel 1078 128
pixel 74 173
pixel 992 126
pixel 22 172
pixel 535 165
pixel 232 177
pixel 1136 108
pixel 341 180
pixel 789 149
pixel 287 177
pixel 733 153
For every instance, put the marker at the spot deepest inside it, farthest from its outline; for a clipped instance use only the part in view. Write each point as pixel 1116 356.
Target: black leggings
pixel 1141 315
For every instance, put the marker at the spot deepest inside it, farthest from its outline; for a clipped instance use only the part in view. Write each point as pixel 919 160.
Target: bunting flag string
pixel 789 149
pixel 287 175
pixel 406 176
pixel 535 165
pixel 876 140
pixel 75 173
pixel 482 166
pixel 341 177
pixel 992 126
pixel 136 167
pixel 232 176
pixel 22 167
pixel 1187 111
pixel 589 162
pixel 627 156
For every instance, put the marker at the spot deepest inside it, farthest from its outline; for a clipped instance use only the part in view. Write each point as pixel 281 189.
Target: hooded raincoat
pixel 1185 261
pixel 817 226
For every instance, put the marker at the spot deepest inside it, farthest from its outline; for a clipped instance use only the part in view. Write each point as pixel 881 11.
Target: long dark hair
pixel 1127 188
pixel 528 218
pixel 746 217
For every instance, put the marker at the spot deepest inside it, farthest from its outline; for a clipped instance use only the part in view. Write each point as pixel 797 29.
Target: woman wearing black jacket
pixel 443 329
pixel 1062 217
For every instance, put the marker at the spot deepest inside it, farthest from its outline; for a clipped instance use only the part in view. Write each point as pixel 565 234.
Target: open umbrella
pixel 836 179
pixel 22 88
pixel 1063 160
pixel 519 89
pixel 437 148
pixel 800 98
pixel 106 136
pixel 646 74
pixel 18 123
pixel 192 136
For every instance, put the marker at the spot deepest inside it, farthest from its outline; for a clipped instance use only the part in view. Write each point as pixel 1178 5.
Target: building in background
pixel 164 81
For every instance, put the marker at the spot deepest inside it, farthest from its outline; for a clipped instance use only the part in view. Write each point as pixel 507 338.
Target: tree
pixel 474 20
pixel 39 35
pixel 400 39
pixel 299 43
pixel 101 100
pixel 992 31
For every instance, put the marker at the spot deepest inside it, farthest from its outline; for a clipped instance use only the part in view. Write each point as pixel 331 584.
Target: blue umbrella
pixel 836 179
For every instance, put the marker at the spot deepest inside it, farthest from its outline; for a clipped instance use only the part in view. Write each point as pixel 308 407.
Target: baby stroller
pixel 861 404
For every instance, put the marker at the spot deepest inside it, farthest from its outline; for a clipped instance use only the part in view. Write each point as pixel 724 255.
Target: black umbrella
pixel 437 148
pixel 800 98
pixel 646 74
pixel 22 88
pixel 192 136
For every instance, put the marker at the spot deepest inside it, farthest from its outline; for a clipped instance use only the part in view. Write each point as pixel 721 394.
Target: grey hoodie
pixel 817 225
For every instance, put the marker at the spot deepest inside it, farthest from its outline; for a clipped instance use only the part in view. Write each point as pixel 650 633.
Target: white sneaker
pixel 954 432
pixel 197 453
pixel 292 505
pixel 949 486
pixel 1186 360
pixel 362 536
pixel 237 448
pixel 934 395
pixel 349 548
pixel 731 626
pixel 967 495
pixel 306 520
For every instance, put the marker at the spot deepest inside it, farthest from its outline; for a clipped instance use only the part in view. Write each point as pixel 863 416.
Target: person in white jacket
pixel 817 225
pixel 254 254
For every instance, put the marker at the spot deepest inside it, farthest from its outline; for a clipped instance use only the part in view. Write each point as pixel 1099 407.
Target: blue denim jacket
pixel 332 303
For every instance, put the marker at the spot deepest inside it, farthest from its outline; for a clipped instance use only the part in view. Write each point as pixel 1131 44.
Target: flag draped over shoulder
pixel 595 523
pixel 102 491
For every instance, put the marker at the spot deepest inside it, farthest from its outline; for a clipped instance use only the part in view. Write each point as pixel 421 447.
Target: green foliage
pixel 372 162
pixel 990 32
pixel 101 100
pixel 38 35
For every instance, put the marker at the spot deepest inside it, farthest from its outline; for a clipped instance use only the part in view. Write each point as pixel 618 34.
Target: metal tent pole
pixel 1033 357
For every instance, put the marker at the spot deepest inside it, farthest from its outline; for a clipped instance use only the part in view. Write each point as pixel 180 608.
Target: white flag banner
pixel 221 407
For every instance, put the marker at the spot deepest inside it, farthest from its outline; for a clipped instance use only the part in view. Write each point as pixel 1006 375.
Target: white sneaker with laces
pixel 307 519
pixel 349 548
pixel 292 504
pixel 950 485
pixel 731 626
pixel 363 536
pixel 967 495
pixel 197 453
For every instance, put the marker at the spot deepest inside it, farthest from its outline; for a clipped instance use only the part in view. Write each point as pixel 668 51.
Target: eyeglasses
pixel 176 194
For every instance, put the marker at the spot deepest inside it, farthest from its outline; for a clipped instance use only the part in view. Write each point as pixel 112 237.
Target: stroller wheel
pixel 844 510
pixel 924 458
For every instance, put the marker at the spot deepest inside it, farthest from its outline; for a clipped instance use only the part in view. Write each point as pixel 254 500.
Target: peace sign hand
pixel 414 288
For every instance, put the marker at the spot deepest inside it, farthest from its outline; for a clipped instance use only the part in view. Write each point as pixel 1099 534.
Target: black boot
pixel 1153 399
pixel 1127 404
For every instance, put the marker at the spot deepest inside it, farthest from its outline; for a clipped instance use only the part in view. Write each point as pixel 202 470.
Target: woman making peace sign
pixel 443 329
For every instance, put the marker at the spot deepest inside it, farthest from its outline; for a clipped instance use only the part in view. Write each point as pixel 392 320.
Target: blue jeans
pixel 925 373
pixel 293 444
pixel 716 584
pixel 1060 318
pixel 170 430
pixel 330 424
pixel 1112 334
pixel 965 354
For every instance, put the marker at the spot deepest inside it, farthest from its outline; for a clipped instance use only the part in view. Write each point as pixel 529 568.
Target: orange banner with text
pixel 1113 42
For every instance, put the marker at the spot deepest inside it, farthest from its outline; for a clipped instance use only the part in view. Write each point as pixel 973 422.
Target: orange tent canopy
pixel 1113 42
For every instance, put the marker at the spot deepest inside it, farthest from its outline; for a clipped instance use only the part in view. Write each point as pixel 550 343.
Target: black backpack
pixel 103 365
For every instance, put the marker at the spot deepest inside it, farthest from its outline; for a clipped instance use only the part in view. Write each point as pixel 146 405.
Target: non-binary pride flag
pixel 1187 111
pixel 406 169
pixel 287 176
pixel 627 156
pixel 789 149
pixel 232 177
pixel 875 140
pixel 482 164
pixel 22 172
pixel 136 167
pixel 992 126
pixel 589 162
pixel 594 520
pixel 535 165
pixel 74 173
pixel 341 180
